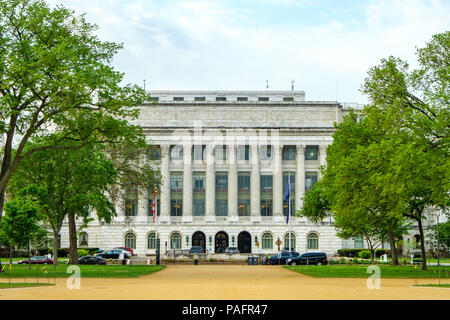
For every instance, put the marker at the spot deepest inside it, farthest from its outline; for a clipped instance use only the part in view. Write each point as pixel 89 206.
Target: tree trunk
pixel 29 255
pixel 422 244
pixel 73 253
pixel 394 255
pixel 55 247
pixel 2 203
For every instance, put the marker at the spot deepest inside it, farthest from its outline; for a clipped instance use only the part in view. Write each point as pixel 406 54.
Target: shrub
pixel 365 254
pixel 380 252
pixel 43 251
pixel 349 253
pixel 82 253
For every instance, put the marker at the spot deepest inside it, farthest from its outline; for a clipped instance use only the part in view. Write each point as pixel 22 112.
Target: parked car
pixel 232 250
pixel 317 258
pixel 196 249
pixel 281 258
pixel 37 260
pixel 91 260
pixel 114 254
pixel 127 249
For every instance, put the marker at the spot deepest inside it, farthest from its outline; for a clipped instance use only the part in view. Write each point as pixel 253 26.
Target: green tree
pixel 72 183
pixel 21 224
pixel 410 110
pixel 56 73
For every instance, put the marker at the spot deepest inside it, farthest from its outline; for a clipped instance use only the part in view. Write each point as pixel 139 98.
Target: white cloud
pixel 210 45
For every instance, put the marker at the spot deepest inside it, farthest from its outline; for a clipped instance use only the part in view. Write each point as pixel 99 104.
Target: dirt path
pixel 228 282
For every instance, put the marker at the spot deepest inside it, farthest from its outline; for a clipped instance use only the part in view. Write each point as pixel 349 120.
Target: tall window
pixel 199 181
pixel 286 176
pixel 176 195
pixel 311 153
pixel 267 241
pixel 244 181
pixel 221 194
pixel 176 153
pixel 154 153
pixel 198 204
pixel 243 153
pixel 313 241
pixel 244 193
pixel 175 241
pixel 199 152
pixel 289 153
pixel 265 152
pixel 310 179
pixel 151 241
pixel 221 207
pixel 83 239
pixel 266 195
pixel 131 201
pixel 221 153
pixel 286 241
pixel 176 181
pixel 130 240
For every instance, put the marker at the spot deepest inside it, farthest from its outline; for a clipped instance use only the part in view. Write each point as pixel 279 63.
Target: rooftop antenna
pixel 144 84
pixel 292 85
pixel 267 84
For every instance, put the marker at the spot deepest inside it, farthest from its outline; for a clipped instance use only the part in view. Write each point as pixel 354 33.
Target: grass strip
pixel 345 271
pixel 88 271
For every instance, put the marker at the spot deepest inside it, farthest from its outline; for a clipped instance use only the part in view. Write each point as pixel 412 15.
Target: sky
pixel 325 46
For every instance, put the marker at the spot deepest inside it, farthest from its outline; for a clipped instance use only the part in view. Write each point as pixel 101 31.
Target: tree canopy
pixel 56 74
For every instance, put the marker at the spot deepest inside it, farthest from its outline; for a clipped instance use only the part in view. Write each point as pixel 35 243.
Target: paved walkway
pixel 228 282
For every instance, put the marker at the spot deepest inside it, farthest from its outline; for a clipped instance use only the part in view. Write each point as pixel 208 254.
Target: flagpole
pixel 289 210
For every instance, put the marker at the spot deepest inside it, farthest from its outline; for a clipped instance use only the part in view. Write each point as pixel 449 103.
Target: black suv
pixel 317 258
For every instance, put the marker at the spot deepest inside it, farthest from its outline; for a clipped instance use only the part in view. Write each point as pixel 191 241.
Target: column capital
pixel 301 148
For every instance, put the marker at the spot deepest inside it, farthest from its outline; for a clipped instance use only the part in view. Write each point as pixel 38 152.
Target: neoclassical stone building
pixel 226 158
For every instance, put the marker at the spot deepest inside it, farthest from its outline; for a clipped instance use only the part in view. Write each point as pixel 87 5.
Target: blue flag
pixel 287 197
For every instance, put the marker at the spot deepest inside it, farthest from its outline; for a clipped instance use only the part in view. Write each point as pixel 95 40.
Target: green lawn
pixel 6 285
pixel 89 271
pixel 359 271
pixel 6 260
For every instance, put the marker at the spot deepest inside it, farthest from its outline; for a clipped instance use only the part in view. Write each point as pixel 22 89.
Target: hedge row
pixel 354 253
pixel 64 252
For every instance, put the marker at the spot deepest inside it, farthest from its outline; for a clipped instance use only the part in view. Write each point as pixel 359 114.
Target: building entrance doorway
pixel 199 239
pixel 244 242
pixel 221 242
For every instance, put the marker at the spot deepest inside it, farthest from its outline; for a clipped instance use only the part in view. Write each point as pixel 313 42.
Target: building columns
pixel 255 187
pixel 300 177
pixel 165 188
pixel 232 184
pixel 210 192
pixel 278 182
pixel 187 183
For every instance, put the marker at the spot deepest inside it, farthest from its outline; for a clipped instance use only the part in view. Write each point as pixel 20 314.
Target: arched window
pixel 130 240
pixel 267 241
pixel 313 241
pixel 175 241
pixel 286 242
pixel 151 241
pixel 83 239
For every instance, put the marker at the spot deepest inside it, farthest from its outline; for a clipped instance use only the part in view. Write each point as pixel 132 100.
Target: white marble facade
pixel 243 125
